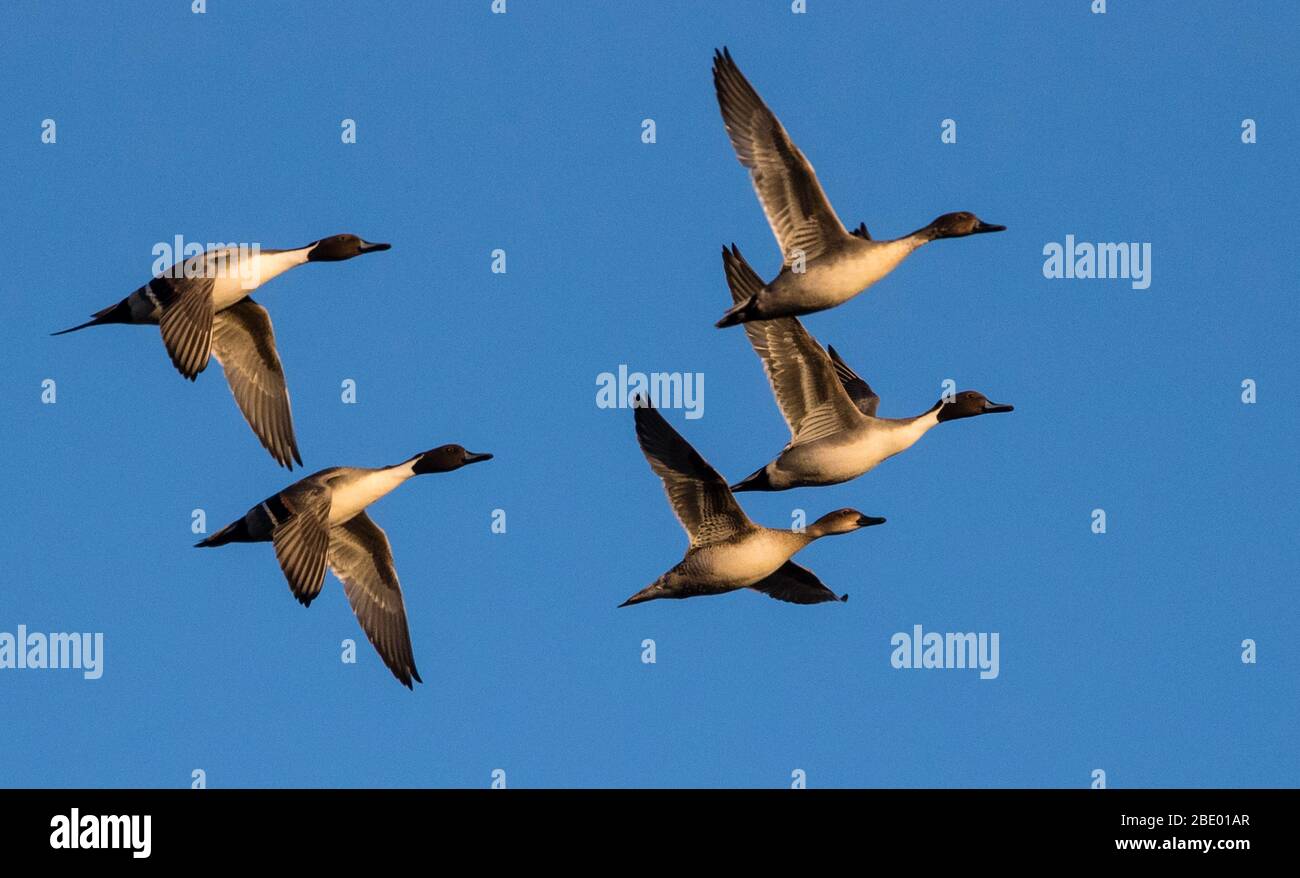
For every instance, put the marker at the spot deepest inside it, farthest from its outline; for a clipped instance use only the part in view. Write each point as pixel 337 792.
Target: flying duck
pixel 322 520
pixel 727 550
pixel 834 432
pixel 203 309
pixel 824 265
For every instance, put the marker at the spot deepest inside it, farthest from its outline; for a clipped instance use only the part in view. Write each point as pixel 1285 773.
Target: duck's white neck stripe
pixel 357 493
pixel 269 265
pixel 921 425
pixel 931 417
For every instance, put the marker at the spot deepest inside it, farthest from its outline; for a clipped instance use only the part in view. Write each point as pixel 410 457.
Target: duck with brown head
pixel 957 225
pixel 446 458
pixel 842 521
pixel 835 434
pixel 337 248
pixel 320 521
pixel 824 265
pixel 728 551
pixel 204 310
pixel 968 404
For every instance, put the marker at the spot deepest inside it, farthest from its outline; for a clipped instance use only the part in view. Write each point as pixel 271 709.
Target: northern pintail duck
pixel 727 550
pixel 203 308
pixel 321 520
pixel 824 265
pixel 834 432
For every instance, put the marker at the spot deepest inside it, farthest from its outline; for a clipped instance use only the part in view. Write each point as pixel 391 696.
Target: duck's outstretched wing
pixel 244 344
pixel 812 400
pixel 360 556
pixel 797 209
pixel 858 389
pixel 699 496
pixel 796 585
pixel 184 295
pixel 302 539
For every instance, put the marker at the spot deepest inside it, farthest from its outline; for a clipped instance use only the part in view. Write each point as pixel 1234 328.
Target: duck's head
pixel 336 248
pixel 842 521
pixel 968 404
pixel 445 459
pixel 959 225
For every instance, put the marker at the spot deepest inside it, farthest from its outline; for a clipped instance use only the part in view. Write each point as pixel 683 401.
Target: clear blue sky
pixel 477 131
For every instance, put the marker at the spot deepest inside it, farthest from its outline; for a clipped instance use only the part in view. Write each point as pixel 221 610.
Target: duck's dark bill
pixel 993 407
pixel 475 457
pixel 869 520
pixel 367 247
pixel 988 227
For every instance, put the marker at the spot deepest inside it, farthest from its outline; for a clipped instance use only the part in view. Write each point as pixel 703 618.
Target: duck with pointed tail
pixel 321 521
pixel 727 551
pixel 835 434
pixel 824 265
pixel 204 310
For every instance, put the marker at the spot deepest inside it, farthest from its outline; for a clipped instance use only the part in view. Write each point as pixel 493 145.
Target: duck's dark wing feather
pixel 796 585
pixel 244 343
pixel 302 540
pixel 699 496
pixel 186 321
pixel 858 389
pixel 184 295
pixel 810 397
pixel 797 209
pixel 362 559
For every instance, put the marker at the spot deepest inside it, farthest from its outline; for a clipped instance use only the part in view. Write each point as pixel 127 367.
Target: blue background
pixel 477 131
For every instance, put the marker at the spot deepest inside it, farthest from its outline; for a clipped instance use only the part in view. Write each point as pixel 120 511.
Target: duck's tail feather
pixel 759 480
pixel 742 280
pixel 235 532
pixel 745 285
pixel 119 313
pixel 649 593
pixel 738 314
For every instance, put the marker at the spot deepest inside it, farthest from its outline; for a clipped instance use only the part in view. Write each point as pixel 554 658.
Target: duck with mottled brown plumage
pixel 728 551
